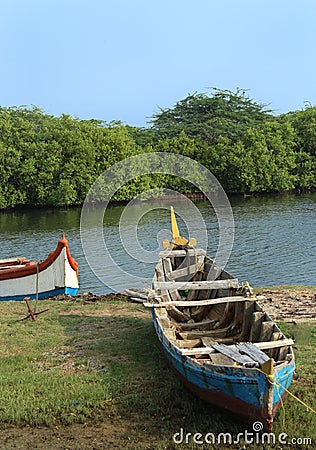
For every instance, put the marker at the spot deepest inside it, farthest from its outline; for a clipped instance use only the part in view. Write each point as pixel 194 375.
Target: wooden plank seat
pixel 258 345
pixel 191 326
pixel 230 283
pixel 14 260
pixel 274 344
pixel 195 334
pixel 185 271
pixel 17 266
pixel 179 253
pixel 187 303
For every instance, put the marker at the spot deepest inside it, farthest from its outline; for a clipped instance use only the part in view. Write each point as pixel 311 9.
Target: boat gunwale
pixel 164 339
pixel 33 267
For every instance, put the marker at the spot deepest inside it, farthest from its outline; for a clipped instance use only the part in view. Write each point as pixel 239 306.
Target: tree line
pixel 53 161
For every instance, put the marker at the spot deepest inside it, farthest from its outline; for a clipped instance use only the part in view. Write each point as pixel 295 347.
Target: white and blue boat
pixel 55 275
pixel 216 336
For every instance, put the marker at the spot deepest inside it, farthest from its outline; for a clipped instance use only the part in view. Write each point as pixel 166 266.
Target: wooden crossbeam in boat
pixel 18 266
pixel 10 260
pixel 186 271
pixel 191 326
pixel 274 344
pixel 231 283
pixel 258 345
pixel 177 253
pixel 178 315
pixel 195 334
pixel 206 302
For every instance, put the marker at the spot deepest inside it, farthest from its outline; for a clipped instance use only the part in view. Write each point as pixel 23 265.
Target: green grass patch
pixel 87 362
pixel 42 379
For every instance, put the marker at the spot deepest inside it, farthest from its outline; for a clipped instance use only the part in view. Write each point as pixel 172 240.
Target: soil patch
pixel 289 305
pixel 109 434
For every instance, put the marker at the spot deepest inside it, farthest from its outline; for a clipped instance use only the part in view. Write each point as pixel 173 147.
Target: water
pixel 274 242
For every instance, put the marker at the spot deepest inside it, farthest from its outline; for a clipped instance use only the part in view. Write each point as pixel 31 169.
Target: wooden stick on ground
pixel 31 313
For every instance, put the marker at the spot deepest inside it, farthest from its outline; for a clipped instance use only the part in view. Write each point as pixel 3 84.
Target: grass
pixel 42 380
pixel 89 362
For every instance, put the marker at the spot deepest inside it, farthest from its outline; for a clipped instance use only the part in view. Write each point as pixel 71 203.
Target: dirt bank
pixel 289 305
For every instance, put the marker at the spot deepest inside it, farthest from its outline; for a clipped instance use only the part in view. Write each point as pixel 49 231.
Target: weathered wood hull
pixel 207 357
pixel 57 274
pixel 240 391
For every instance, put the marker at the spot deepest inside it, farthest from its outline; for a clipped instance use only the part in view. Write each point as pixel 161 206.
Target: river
pixel 274 240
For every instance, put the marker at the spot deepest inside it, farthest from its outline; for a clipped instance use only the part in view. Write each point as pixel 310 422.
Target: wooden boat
pixel 57 274
pixel 215 335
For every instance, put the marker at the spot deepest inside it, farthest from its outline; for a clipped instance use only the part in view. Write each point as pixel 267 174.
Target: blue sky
pixel 123 59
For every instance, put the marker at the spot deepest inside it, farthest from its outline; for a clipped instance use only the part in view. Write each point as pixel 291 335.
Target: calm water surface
pixel 274 243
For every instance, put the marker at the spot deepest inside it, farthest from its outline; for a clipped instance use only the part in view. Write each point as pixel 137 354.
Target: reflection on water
pixel 275 240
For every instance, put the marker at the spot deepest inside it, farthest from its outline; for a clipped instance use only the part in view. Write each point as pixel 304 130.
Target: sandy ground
pixel 290 305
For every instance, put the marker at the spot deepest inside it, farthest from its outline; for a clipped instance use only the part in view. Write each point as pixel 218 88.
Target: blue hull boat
pixel 216 336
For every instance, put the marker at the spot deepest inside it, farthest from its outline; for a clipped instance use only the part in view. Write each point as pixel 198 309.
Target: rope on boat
pixel 36 294
pixel 271 379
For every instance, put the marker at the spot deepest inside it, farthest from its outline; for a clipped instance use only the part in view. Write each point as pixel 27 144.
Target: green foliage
pixel 305 170
pixel 304 125
pixel 54 161
pixel 224 114
pixel 246 147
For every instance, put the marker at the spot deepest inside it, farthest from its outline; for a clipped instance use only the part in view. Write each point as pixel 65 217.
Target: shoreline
pixel 286 303
pixel 194 196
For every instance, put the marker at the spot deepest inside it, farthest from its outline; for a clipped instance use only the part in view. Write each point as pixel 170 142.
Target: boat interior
pixel 206 314
pixel 12 263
